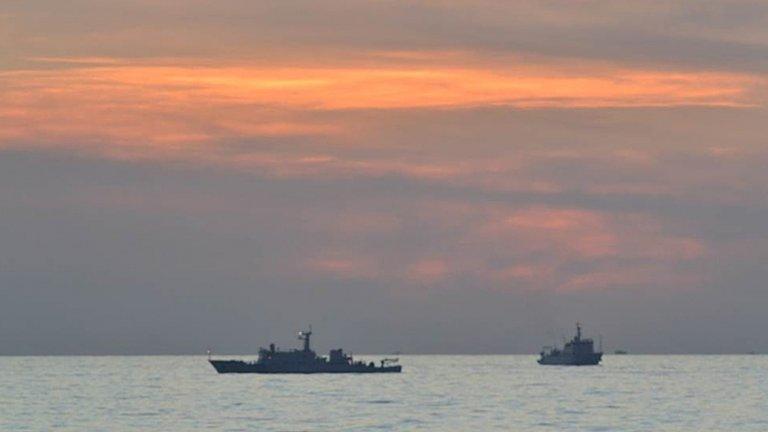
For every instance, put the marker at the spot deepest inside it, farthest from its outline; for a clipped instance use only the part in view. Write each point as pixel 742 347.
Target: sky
pixel 434 176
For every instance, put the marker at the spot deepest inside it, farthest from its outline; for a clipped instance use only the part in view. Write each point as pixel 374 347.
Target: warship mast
pixel 304 336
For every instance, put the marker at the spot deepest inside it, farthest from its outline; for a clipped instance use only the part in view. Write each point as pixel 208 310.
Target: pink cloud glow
pixel 537 248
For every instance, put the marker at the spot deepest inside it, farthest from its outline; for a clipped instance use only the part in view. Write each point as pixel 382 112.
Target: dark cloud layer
pixel 713 35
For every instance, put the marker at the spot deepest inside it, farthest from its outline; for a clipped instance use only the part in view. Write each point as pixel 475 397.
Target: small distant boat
pixel 620 352
pixel 303 361
pixel 577 352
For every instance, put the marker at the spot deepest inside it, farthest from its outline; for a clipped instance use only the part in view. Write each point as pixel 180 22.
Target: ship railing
pixel 390 361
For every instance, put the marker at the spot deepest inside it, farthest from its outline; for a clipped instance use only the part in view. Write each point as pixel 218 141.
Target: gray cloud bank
pixel 130 257
pixel 716 35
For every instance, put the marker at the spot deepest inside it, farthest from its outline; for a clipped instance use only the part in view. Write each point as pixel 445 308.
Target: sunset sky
pixel 436 176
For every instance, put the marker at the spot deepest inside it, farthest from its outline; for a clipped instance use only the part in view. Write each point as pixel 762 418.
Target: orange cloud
pixel 343 267
pixel 580 233
pixel 165 107
pixel 639 276
pixel 610 251
pixel 428 271
pixel 388 86
pixel 536 248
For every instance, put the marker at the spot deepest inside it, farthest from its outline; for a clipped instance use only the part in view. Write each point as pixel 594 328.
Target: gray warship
pixel 577 352
pixel 303 361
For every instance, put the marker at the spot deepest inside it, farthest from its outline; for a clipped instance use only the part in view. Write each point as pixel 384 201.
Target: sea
pixel 434 393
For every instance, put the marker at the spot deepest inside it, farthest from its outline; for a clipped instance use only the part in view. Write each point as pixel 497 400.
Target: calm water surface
pixel 445 393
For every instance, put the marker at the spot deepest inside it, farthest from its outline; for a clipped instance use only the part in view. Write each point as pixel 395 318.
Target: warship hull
pixel 241 367
pixel 571 360
pixel 577 352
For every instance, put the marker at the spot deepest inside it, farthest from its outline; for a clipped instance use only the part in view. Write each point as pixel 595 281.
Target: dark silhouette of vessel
pixel 303 361
pixel 577 352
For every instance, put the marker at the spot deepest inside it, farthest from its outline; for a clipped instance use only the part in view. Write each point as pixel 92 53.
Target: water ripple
pixel 445 393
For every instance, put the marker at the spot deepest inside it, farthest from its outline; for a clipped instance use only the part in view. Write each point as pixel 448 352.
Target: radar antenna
pixel 304 336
